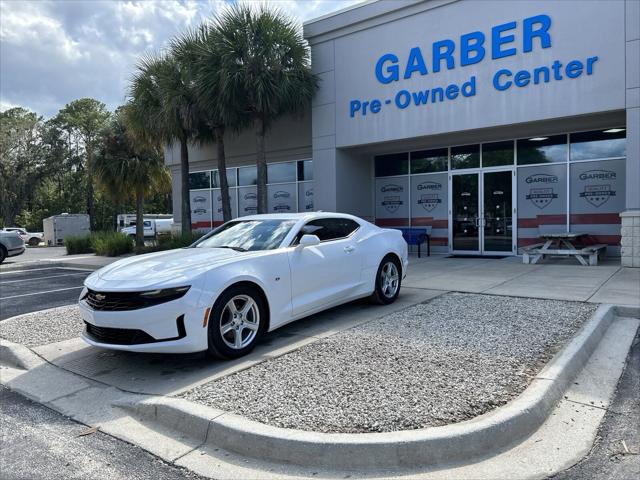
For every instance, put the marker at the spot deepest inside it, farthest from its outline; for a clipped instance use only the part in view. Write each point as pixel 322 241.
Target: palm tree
pixel 264 72
pixel 196 50
pixel 164 110
pixel 128 167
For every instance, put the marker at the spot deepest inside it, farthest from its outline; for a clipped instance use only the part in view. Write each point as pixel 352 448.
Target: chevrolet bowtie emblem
pixel 100 296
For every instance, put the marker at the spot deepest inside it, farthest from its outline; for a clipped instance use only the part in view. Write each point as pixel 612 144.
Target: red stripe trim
pixel 429 221
pixel 542 220
pixel 201 225
pixel 392 222
pixel 217 223
pixel 595 219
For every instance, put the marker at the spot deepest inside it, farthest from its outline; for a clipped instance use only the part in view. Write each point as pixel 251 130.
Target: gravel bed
pixel 445 361
pixel 43 327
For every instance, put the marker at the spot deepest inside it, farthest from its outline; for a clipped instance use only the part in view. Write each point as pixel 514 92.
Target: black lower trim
pixel 129 336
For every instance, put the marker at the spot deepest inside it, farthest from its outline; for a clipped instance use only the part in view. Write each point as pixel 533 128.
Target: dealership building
pixel 491 122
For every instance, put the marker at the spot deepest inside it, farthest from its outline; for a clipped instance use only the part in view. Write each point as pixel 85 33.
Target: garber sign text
pixel 471 48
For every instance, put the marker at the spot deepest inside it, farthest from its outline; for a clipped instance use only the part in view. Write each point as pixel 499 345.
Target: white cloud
pixel 54 51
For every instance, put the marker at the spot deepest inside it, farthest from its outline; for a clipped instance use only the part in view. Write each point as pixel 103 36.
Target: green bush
pixel 111 244
pixel 78 244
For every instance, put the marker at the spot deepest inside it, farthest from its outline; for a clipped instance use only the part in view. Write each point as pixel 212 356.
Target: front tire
pixel 236 322
pixel 3 254
pixel 388 280
pixel 34 242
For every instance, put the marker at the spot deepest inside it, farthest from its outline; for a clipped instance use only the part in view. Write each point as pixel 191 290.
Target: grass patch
pixel 109 244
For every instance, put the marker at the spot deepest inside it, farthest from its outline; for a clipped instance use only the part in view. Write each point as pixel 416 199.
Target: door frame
pixel 481 217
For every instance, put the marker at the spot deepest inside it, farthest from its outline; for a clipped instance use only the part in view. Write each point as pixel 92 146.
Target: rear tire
pixel 388 281
pixel 236 322
pixel 34 242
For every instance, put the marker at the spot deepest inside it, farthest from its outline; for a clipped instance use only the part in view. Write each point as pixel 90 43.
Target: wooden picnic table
pixel 564 244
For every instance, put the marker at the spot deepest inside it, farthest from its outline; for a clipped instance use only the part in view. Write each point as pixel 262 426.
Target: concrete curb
pixel 450 444
pixel 18 356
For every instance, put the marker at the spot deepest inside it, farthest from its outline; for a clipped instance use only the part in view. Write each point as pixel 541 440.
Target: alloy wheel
pixel 239 322
pixel 389 279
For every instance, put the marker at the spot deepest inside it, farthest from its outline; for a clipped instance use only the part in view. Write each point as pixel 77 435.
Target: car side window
pixel 327 229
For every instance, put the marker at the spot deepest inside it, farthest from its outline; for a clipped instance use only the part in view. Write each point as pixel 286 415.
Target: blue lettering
pixel 573 69
pixel 466 47
pixel 375 106
pixel 543 22
pixel 446 55
pixel 496 79
pixel 391 72
pixel 452 91
pixel 522 78
pixel 420 98
pixel 469 88
pixel 354 106
pixel 440 94
pixel 415 63
pixel 497 40
pixel 403 99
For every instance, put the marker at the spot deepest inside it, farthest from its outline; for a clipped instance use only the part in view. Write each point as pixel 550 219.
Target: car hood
pixel 173 267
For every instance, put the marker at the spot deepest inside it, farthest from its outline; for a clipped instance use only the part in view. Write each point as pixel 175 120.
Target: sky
pixel 55 51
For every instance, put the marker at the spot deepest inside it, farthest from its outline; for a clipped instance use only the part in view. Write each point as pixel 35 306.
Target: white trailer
pixel 59 227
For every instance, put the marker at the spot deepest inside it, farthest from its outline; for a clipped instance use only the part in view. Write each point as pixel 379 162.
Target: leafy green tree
pixel 196 51
pixel 21 160
pixel 164 110
pixel 128 167
pixel 264 72
pixel 84 119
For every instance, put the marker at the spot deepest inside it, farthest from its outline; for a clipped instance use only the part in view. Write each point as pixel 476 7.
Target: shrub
pixel 111 244
pixel 78 244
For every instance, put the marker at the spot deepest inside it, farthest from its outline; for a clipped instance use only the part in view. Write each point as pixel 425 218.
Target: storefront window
pixel 281 172
pixel 199 180
pixel 497 154
pixel 305 170
pixel 465 156
pixel 552 149
pixel 247 176
pixel 231 178
pixel 394 164
pixel 427 161
pixel 609 143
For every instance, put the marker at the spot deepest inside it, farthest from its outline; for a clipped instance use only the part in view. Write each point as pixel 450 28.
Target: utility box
pixel 59 227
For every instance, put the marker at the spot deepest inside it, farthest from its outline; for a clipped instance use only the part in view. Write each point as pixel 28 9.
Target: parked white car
pixel 249 276
pixel 10 244
pixel 33 239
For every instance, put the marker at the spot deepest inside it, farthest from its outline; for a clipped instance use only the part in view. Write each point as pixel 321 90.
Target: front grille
pixel 129 336
pixel 118 336
pixel 121 301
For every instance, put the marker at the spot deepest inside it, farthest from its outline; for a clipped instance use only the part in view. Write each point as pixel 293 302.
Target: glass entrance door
pixel 497 212
pixel 482 212
pixel 465 212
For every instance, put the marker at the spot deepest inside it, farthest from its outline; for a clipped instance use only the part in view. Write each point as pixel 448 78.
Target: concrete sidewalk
pixel 559 280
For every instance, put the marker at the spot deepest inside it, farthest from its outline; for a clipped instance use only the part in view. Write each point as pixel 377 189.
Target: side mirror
pixel 308 241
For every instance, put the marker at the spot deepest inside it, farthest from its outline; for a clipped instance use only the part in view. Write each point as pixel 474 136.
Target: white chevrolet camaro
pixel 248 276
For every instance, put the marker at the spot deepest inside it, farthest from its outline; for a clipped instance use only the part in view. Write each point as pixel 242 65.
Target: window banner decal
pixel 392 201
pixel 281 198
pixel 247 201
pixel 305 197
pixel 542 202
pixel 218 218
pixel 597 198
pixel 200 210
pixel 429 205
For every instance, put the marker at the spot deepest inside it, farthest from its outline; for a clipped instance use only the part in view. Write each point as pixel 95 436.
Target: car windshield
pixel 244 235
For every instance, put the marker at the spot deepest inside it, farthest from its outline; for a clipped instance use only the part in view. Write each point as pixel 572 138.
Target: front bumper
pixel 161 325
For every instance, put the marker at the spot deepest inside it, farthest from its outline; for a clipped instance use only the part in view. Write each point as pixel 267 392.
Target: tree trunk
pixel 90 206
pixel 186 200
pixel 139 220
pixel 222 171
pixel 261 165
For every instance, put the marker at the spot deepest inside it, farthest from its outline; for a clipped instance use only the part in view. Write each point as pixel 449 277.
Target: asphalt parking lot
pixel 31 289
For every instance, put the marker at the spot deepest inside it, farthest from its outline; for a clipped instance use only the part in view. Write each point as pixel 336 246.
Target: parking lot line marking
pixel 43 278
pixel 40 293
pixel 45 268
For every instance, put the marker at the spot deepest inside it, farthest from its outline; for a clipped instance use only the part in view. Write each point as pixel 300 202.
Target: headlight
pixel 84 293
pixel 165 292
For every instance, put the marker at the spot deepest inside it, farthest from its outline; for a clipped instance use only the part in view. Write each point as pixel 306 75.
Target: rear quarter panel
pixel 377 243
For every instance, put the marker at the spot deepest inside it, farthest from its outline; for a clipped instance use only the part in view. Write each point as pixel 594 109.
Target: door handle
pixel 349 249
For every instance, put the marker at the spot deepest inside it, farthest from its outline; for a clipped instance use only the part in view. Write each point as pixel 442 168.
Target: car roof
pixel 297 216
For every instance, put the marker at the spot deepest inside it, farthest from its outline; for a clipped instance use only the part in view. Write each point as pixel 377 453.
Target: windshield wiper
pixel 237 249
